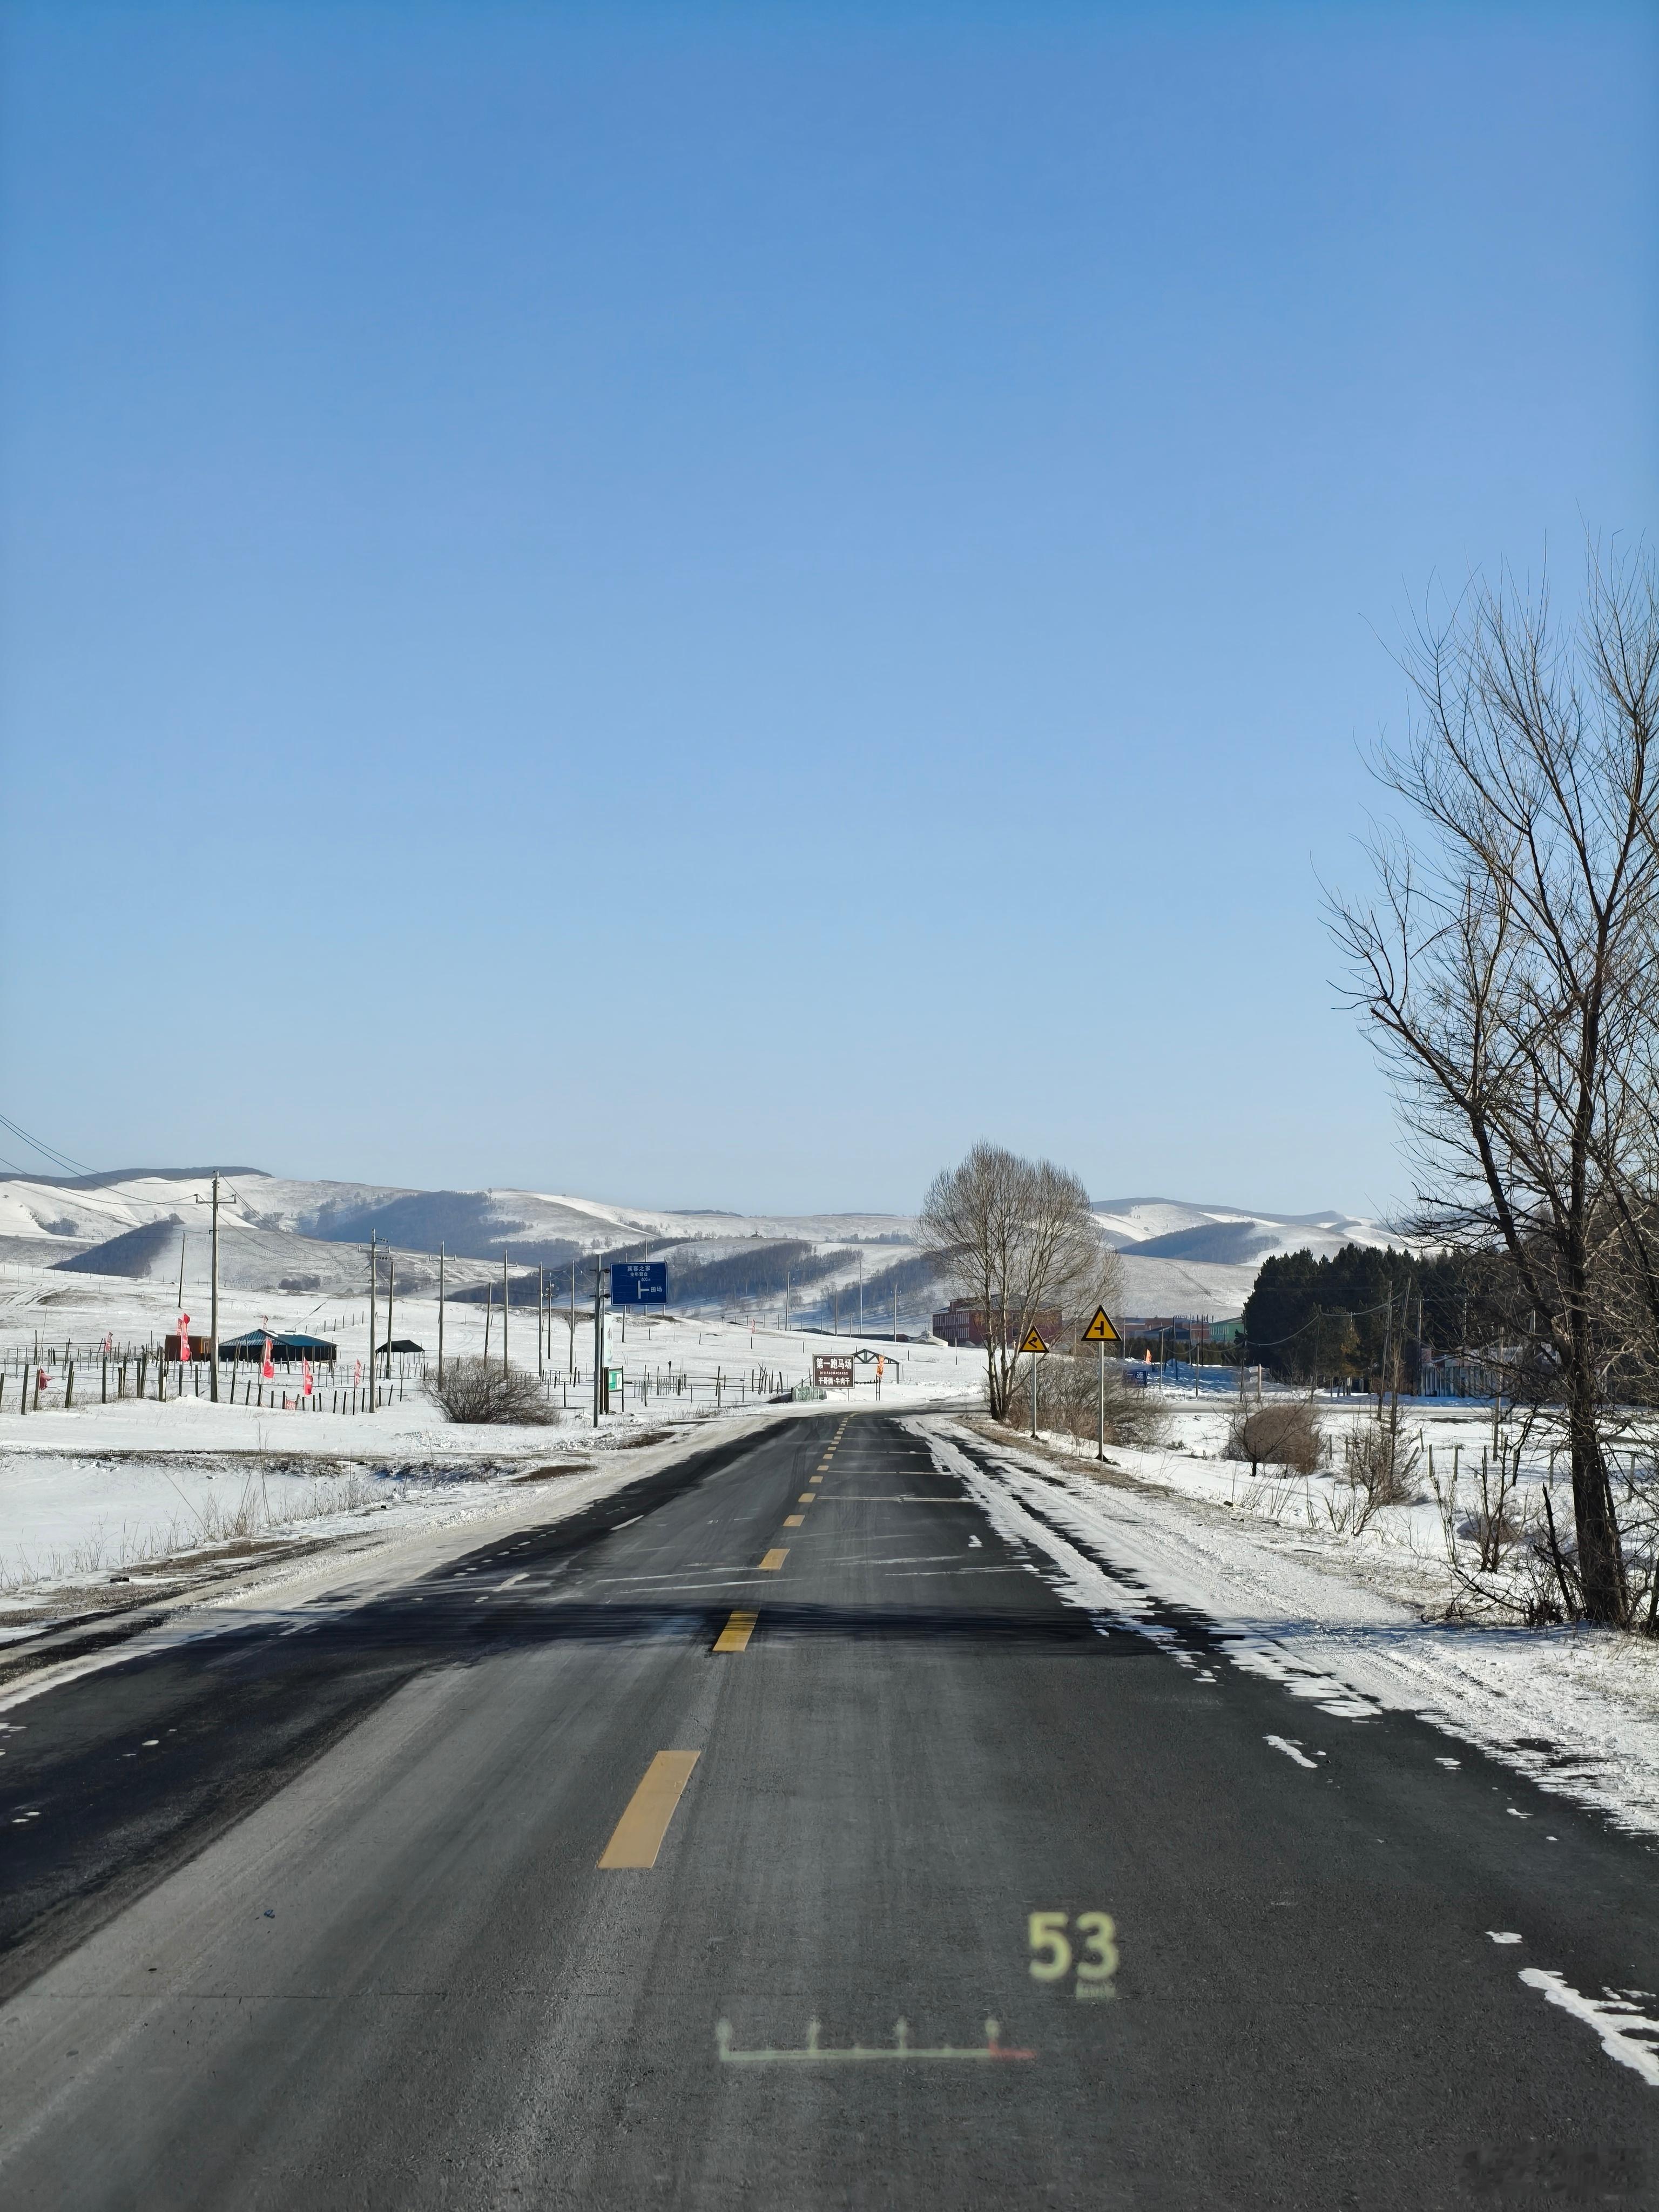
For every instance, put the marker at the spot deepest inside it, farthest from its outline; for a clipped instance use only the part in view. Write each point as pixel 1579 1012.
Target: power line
pixel 57 1160
pixel 1325 1313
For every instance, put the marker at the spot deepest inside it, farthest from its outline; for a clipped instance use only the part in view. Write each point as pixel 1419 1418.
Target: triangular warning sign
pixel 1100 1329
pixel 1033 1342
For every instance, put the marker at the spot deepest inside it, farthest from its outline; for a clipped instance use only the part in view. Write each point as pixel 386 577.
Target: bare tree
pixel 1016 1237
pixel 478 1391
pixel 1507 964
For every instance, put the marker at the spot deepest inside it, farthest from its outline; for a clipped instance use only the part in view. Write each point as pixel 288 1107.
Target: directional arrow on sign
pixel 1033 1342
pixel 1100 1329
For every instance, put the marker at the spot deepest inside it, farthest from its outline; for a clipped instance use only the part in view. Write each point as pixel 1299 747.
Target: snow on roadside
pixel 76 1525
pixel 1576 1710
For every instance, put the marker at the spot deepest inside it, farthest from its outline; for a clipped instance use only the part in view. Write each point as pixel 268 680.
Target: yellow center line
pixel 773 1561
pixel 638 1835
pixel 735 1636
pixel 794 1520
pixel 807 1497
pixel 815 1478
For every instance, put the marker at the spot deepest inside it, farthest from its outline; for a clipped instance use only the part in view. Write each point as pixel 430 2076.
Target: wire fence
pixel 42 1378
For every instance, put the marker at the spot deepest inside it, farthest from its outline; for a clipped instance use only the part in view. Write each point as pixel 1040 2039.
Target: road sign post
pixel 599 1405
pixel 1033 1344
pixel 1100 1332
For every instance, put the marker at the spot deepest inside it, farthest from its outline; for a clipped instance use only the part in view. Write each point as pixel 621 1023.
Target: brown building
pixel 963 1323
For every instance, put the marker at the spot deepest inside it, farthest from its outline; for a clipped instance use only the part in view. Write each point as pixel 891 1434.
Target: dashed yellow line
pixel 807 1497
pixel 637 1836
pixel 774 1559
pixel 735 1636
pixel 794 1520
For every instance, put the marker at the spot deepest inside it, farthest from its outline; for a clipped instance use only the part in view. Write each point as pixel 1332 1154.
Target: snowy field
pixel 1446 1443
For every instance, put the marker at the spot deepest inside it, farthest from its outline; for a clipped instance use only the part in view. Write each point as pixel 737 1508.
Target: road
pixel 404 1907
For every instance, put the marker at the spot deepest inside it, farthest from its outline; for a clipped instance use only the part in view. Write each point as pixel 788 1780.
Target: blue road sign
pixel 639 1283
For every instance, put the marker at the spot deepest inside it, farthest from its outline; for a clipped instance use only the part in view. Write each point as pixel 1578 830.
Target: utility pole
pixel 504 1306
pixel 861 1290
pixel 541 1319
pixel 374 1285
pixel 599 1342
pixel 1387 1354
pixel 213 1311
pixel 570 1347
pixel 391 1284
pixel 440 1313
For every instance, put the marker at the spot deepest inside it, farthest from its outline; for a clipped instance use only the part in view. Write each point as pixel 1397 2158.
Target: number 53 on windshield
pixel 1094 1960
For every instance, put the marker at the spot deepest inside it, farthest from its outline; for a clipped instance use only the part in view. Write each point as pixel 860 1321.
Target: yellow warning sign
pixel 1100 1329
pixel 1033 1342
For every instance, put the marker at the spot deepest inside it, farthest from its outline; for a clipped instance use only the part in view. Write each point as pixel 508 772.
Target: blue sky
pixel 706 603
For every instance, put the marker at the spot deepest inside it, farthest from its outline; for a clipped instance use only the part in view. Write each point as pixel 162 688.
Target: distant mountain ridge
pixel 281 1232
pixel 1227 1235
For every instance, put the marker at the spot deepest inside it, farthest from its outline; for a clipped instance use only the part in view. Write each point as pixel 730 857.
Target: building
pixel 1180 1328
pixel 1485 1374
pixel 286 1346
pixel 201 1347
pixel 963 1323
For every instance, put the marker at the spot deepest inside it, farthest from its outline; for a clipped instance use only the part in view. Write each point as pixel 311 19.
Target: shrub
pixel 1068 1400
pixel 1381 1465
pixel 476 1391
pixel 1278 1435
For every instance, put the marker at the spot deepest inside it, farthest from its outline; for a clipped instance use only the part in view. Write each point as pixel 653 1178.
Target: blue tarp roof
pixel 282 1341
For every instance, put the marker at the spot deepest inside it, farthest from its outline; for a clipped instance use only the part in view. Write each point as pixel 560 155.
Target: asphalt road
pixel 315 1916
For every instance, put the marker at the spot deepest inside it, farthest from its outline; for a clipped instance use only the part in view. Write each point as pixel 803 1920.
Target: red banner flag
pixel 268 1366
pixel 183 1339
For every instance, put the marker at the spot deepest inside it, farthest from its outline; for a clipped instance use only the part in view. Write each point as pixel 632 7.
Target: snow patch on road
pixel 1624 2029
pixel 1292 1750
pixel 1124 1601
pixel 1577 1710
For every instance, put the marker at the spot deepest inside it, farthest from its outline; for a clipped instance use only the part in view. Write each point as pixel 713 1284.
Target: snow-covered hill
pixel 281 1233
pixel 1166 1228
pixel 1181 1258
